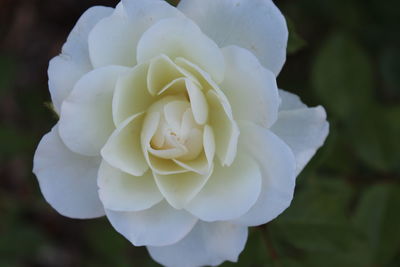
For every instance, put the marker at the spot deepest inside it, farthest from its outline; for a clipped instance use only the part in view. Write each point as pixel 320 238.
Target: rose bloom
pixel 172 126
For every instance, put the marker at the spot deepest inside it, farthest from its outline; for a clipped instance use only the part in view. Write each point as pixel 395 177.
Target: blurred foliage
pixel 344 55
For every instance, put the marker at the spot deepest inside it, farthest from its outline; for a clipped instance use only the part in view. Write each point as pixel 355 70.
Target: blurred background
pixel 344 55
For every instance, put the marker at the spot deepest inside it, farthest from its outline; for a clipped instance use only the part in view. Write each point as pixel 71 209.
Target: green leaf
pixel 390 69
pixel 20 241
pixel 317 222
pixel 378 218
pixel 342 77
pixel 17 142
pixel 295 42
pixel 7 73
pixel 375 137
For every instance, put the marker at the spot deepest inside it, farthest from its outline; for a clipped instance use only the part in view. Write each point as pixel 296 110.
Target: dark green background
pixel 344 55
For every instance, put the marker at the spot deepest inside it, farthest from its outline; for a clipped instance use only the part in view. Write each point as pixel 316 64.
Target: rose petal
pixel 290 101
pixel 146 12
pixel 198 102
pixel 130 96
pixel 173 113
pixel 181 38
pixel 123 149
pixel 199 165
pixel 277 165
pixel 67 180
pixel 158 165
pixel 196 73
pixel 177 86
pixel 120 191
pixel 203 163
pixel 256 25
pixel 162 71
pixel 114 39
pixel 207 244
pixel 66 69
pixel 160 225
pixel 225 128
pixel 303 129
pixel 250 88
pixel 179 189
pixel 229 193
pixel 209 143
pixel 86 115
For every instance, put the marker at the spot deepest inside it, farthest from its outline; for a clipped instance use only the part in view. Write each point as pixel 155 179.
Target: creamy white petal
pixel 86 115
pixel 225 128
pixel 207 244
pixel 113 41
pixel 123 149
pixel 173 113
pixel 73 62
pixel 230 192
pixel 120 191
pixel 164 166
pixel 67 180
pixel 256 25
pixel 169 153
pixel 160 225
pixel 162 72
pixel 250 88
pixel 198 102
pixel 182 38
pixel 277 165
pixel 303 129
pixel 204 162
pixel 209 143
pixel 158 165
pixel 131 96
pixel 146 12
pixel 179 189
pixel 290 101
pixel 177 86
pixel 199 165
pixel 196 73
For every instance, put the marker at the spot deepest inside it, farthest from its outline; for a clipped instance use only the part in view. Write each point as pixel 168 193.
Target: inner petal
pixel 173 113
pixel 177 135
pixel 162 71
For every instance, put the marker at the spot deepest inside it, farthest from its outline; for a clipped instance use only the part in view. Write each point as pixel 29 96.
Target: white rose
pixel 171 125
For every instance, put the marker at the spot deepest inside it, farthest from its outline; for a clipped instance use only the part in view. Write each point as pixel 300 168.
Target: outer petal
pixel 120 191
pixel 66 69
pixel 160 225
pixel 86 115
pixel 67 180
pixel 182 38
pixel 278 169
pixel 290 101
pixel 303 129
pixel 207 244
pixel 250 88
pixel 114 39
pixel 148 12
pixel 229 193
pixel 256 25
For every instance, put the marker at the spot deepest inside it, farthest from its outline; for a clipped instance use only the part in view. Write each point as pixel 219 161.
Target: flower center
pixel 178 136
